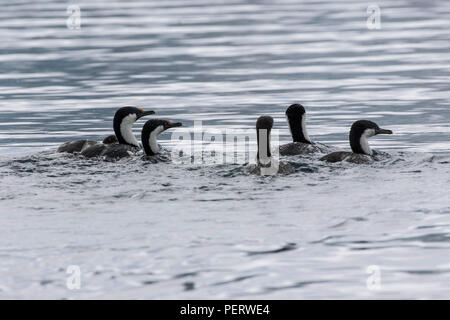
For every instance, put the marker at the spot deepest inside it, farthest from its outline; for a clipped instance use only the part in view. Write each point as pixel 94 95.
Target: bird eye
pixel 141 110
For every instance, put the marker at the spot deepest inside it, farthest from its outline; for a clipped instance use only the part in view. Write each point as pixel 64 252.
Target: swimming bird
pixel 360 132
pixel 266 164
pixel 152 128
pixel 80 145
pixel 302 144
pixel 112 146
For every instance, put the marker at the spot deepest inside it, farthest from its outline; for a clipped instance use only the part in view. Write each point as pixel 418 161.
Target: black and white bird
pixel 151 130
pixel 302 144
pixel 115 146
pixel 265 163
pixel 360 132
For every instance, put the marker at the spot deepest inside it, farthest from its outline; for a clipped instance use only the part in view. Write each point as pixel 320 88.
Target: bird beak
pixel 173 124
pixel 384 131
pixel 145 113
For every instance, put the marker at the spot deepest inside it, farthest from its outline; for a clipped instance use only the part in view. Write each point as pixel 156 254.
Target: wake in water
pixel 49 162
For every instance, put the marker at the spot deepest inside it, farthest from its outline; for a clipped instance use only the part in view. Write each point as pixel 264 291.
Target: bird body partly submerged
pixel 110 151
pixel 347 156
pixel 275 167
pixel 265 163
pixel 122 144
pixel 302 144
pixel 79 146
pixel 296 148
pixel 76 146
pixel 360 132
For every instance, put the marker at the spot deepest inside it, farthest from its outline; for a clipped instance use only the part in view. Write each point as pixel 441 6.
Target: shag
pixel 114 146
pixel 266 164
pixel 302 144
pixel 360 132
pixel 151 130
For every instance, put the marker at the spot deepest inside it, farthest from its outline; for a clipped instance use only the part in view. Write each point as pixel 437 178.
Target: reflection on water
pixel 167 231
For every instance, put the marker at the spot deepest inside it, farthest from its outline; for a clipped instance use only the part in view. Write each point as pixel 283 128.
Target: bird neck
pixel 123 130
pixel 150 141
pixel 298 130
pixel 359 141
pixel 263 138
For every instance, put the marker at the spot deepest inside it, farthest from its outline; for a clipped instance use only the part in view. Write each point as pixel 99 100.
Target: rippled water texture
pixel 162 231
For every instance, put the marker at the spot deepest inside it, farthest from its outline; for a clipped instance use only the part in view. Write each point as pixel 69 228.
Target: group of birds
pixel 124 143
pixel 360 132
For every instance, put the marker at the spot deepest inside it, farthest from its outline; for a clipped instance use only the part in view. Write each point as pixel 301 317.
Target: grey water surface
pixel 137 229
